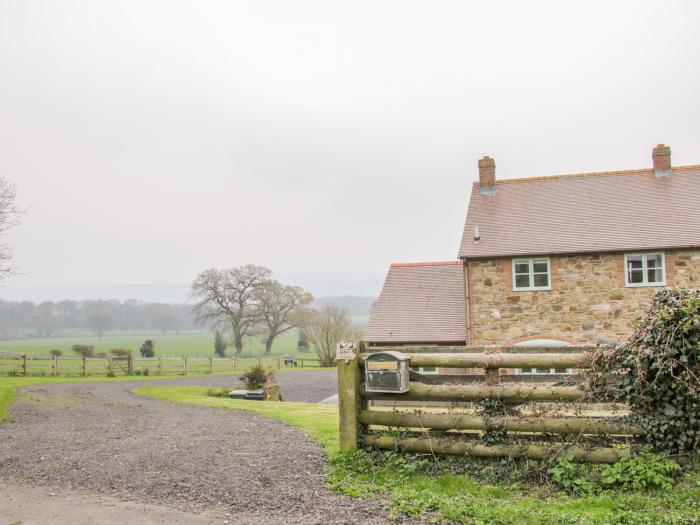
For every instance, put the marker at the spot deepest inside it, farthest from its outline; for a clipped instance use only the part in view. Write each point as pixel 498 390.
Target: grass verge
pixel 408 486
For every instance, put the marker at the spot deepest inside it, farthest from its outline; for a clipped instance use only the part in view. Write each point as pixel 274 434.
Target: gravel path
pixel 98 438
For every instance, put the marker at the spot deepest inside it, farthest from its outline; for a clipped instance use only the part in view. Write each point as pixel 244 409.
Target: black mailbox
pixel 386 372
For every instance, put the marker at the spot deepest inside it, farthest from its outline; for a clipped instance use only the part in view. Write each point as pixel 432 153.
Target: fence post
pixel 84 365
pixel 233 362
pixel 110 365
pixel 130 365
pixel 278 363
pixel 160 365
pixel 24 364
pixel 492 376
pixel 55 365
pixel 348 393
pixel 184 366
pixel 211 365
pixel 302 362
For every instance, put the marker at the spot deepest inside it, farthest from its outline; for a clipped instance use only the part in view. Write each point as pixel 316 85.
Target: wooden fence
pixel 437 415
pixel 28 364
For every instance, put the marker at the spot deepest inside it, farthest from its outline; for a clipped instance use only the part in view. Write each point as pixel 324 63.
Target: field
pixel 190 344
pixel 193 344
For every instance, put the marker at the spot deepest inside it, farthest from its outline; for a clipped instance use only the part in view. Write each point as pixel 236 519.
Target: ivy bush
pixel 657 373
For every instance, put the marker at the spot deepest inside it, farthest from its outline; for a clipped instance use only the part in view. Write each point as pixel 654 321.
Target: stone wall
pixel 588 299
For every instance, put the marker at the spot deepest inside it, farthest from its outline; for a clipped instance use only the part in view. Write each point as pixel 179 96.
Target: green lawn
pixel 459 498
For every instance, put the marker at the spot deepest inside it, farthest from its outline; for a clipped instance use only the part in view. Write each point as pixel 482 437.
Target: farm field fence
pixel 14 364
pixel 478 406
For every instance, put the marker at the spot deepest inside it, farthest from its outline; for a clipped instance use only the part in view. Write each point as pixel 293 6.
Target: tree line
pixel 23 319
pixel 246 301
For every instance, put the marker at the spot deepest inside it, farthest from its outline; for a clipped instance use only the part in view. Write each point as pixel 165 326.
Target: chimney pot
pixel 487 175
pixel 661 155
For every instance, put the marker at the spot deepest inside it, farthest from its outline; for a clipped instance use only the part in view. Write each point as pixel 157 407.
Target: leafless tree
pixel 9 213
pixel 325 328
pixel 278 308
pixel 225 298
pixel 99 316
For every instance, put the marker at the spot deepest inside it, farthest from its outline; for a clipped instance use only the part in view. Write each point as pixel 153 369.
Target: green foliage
pixel 218 392
pixel 219 344
pixel 120 352
pixel 101 354
pixel 573 477
pixel 642 472
pixel 645 471
pixel 257 376
pixel 111 374
pixel 148 348
pixel 84 350
pixel 141 372
pixel 55 353
pixel 656 372
pixel 303 344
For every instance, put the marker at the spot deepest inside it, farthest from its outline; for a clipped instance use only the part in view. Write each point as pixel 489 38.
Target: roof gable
pixel 420 303
pixel 598 212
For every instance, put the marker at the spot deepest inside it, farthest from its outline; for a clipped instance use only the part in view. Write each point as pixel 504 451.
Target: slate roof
pixel 592 212
pixel 420 303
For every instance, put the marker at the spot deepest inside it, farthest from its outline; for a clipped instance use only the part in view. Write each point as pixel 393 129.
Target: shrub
pixel 656 372
pixel 148 348
pixel 256 377
pixel 56 353
pixel 219 344
pixel 642 472
pixel 84 350
pixel 120 352
pixel 218 392
pixel 645 471
pixel 303 341
pixel 101 354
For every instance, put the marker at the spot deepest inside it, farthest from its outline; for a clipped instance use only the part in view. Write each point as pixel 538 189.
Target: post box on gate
pixel 386 372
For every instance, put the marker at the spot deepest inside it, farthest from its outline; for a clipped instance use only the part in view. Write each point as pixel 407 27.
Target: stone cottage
pixel 566 259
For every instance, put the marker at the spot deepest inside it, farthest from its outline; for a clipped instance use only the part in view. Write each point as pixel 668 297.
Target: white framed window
pixel 645 269
pixel 532 274
pixel 428 370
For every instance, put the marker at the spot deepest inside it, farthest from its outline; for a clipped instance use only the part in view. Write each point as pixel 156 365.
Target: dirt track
pixel 98 439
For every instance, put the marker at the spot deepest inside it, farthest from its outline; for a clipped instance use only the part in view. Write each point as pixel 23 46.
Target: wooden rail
pixel 453 433
pixel 497 360
pixel 553 425
pixel 466 448
pixel 517 393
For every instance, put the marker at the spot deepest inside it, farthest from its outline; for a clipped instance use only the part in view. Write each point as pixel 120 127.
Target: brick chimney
pixel 487 175
pixel 662 160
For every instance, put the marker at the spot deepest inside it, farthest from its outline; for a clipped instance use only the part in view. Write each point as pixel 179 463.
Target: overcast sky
pixel 150 140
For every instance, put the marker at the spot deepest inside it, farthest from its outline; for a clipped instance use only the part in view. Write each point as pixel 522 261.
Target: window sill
pixel 543 289
pixel 645 285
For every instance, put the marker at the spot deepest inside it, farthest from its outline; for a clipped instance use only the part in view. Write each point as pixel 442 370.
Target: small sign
pixel 345 350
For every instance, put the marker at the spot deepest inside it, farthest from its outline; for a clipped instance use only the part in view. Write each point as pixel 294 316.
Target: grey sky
pixel 153 139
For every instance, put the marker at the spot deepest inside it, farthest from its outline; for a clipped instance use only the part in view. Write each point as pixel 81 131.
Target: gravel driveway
pixel 98 438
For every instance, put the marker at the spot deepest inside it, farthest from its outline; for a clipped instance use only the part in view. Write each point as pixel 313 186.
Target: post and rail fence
pixel 443 414
pixel 15 364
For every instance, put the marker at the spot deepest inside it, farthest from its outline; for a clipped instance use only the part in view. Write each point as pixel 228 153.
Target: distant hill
pixel 332 287
pixel 357 305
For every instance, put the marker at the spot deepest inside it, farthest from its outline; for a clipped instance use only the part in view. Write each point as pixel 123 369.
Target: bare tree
pixel 9 213
pixel 325 328
pixel 277 308
pixel 226 298
pixel 99 316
